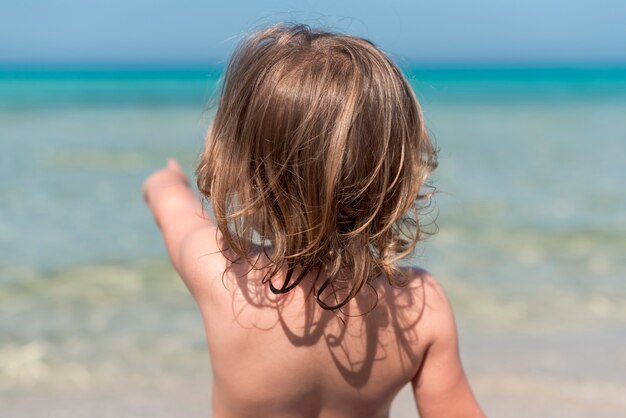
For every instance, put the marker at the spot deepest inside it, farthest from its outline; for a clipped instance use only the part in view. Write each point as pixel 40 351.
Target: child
pixel 313 166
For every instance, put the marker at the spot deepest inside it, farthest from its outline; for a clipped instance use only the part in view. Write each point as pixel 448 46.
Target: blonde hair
pixel 318 153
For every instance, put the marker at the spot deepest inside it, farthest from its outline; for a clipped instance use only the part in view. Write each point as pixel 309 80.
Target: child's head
pixel 318 151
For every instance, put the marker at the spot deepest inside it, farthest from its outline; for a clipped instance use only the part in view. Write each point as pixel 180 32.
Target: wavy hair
pixel 318 154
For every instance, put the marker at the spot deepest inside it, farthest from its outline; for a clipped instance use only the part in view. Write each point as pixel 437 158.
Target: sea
pixel 530 211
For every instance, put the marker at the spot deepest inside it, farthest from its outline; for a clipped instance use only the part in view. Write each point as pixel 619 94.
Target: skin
pixel 283 356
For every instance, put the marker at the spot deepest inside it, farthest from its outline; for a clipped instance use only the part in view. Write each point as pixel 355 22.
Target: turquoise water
pixel 531 210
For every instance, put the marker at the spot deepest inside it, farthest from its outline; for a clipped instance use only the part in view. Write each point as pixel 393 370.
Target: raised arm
pixel 190 237
pixel 441 387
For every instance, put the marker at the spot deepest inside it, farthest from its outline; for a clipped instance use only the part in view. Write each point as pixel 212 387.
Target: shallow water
pixel 531 216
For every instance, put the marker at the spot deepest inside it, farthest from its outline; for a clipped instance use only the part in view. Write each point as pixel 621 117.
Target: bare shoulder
pixel 420 300
pixel 427 281
pixel 436 300
pixel 440 386
pixel 202 262
pixel 436 317
pixel 432 292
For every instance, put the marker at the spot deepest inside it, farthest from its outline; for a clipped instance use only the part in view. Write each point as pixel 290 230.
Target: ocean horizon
pixel 117 84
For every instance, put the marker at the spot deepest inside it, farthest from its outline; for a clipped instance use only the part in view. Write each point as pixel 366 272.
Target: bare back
pixel 285 356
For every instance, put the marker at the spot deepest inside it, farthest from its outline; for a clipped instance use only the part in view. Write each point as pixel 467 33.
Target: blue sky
pixel 195 31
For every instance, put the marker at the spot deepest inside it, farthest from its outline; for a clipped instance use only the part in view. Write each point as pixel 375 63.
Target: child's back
pixel 283 356
pixel 317 153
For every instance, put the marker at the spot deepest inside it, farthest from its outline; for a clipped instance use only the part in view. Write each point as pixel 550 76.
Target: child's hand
pixel 171 175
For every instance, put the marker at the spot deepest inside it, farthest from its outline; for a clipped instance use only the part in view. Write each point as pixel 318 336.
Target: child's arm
pixel 441 387
pixel 189 236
